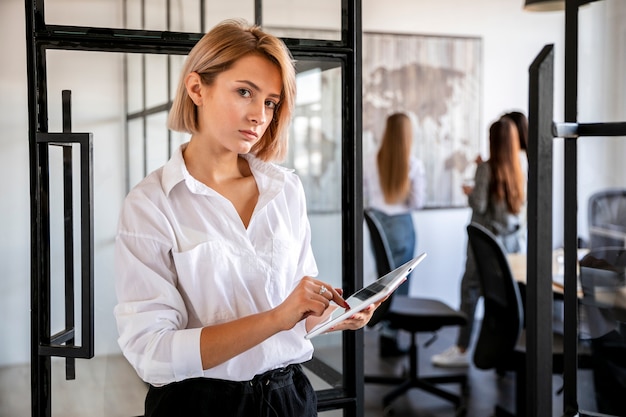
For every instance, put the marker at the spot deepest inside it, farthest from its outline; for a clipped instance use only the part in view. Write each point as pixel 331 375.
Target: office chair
pixel 603 281
pixel 501 343
pixel 413 315
pixel 607 218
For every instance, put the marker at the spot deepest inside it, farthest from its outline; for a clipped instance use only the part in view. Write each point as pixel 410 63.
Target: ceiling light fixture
pixel 544 5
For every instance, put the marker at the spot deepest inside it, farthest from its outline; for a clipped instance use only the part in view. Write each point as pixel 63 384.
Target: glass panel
pixel 56 155
pixel 136 152
pixel 157 150
pixel 135 77
pixel 155 15
pixel 104 13
pixel 156 80
pixel 176 66
pixel 177 139
pixel 216 11
pixel 183 16
pixel 303 18
pixel 315 154
pixel 601 211
pixel 104 385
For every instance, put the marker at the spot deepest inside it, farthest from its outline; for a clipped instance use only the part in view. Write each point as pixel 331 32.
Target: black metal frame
pixel 539 211
pixel 41 37
pixel 542 131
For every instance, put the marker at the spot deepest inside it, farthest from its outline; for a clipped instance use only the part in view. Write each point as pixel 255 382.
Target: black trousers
pixel 284 392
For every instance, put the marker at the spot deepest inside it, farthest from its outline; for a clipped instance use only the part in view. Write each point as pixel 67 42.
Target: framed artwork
pixel 438 81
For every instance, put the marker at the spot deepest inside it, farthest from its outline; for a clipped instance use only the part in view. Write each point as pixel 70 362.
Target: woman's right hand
pixel 311 297
pixel 467 189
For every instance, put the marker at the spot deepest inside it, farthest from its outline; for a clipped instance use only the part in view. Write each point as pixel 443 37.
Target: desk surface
pixel 517 263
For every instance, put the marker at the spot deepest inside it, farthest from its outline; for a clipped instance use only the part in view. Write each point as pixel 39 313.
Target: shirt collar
pixel 174 170
pixel 269 177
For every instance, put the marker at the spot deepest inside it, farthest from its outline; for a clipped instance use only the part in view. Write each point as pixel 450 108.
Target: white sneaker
pixel 451 358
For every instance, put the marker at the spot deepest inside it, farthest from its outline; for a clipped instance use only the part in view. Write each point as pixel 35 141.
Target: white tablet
pixel 374 292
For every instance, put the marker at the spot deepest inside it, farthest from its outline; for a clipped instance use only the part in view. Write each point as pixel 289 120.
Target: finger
pixel 338 299
pixel 332 294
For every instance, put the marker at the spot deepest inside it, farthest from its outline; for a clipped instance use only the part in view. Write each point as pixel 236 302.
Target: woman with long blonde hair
pixel 394 186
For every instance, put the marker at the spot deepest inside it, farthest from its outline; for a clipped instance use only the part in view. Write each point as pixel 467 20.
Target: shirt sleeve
pixel 478 199
pixel 306 262
pixel 151 315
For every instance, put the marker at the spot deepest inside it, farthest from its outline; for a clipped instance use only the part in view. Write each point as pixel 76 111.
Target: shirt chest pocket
pixel 205 281
pixel 221 282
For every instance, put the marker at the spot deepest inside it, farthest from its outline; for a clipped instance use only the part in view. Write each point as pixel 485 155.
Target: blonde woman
pixel 214 266
pixel 394 186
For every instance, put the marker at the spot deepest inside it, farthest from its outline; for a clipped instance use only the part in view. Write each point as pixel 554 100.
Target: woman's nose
pixel 257 113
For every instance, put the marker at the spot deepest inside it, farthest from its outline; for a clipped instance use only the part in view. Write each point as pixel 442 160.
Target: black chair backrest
pixel 603 279
pixel 503 315
pixel 383 259
pixel 607 218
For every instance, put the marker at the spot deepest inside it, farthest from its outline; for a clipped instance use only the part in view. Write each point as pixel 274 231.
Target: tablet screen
pixel 374 292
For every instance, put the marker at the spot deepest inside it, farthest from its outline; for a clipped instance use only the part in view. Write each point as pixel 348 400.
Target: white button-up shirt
pixel 184 260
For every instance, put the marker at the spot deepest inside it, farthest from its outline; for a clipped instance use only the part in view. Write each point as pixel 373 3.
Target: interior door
pixel 99 92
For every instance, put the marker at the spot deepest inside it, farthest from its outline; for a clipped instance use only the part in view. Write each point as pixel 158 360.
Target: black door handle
pixel 63 343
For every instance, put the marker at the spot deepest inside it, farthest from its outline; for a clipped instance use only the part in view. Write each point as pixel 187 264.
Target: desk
pixel 517 263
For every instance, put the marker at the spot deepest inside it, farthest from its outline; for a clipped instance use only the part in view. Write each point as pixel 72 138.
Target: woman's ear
pixel 193 83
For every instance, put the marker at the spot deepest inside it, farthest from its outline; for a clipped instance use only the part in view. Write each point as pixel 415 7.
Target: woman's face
pixel 239 105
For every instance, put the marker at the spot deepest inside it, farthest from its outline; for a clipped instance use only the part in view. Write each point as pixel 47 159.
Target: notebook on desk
pixel 370 294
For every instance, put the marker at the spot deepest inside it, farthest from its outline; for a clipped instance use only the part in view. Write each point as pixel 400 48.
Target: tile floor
pixel 124 400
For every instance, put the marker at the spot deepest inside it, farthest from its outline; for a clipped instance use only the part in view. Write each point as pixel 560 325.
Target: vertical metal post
pixel 41 375
pixel 352 202
pixel 68 227
pixel 538 401
pixel 570 218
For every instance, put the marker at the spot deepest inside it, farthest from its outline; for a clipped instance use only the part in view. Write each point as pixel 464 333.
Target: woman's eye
pixel 244 92
pixel 271 104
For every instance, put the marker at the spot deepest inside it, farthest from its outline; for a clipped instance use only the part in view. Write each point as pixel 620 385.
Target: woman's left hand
pixel 358 320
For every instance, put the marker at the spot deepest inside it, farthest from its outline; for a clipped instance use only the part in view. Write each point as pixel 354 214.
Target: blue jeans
pixel 400 234
pixel 284 392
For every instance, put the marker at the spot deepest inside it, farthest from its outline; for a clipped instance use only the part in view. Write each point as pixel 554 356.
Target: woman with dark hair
pixel 521 122
pixel 498 202
pixel 394 186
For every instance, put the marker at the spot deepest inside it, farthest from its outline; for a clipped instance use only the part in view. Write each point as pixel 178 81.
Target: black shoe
pixel 388 347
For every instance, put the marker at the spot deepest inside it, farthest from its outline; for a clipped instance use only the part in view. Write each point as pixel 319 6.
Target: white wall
pixel 601 98
pixel 14 187
pixel 512 38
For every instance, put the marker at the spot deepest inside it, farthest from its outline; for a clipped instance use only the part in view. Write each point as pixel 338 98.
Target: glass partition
pixel 315 155
pixel 121 98
pixel 310 20
pixel 600 186
pixel 158 15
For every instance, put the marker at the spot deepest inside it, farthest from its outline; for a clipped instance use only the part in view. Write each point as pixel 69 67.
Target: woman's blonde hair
pixel 393 158
pixel 507 180
pixel 215 53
